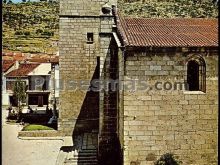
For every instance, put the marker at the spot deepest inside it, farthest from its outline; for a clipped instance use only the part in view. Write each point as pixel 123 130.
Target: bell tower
pixel 85 35
pixel 87 52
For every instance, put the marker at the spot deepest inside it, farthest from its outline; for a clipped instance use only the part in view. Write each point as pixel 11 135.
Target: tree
pixel 168 159
pixel 23 1
pixel 27 33
pixel 19 93
pixel 216 2
pixel 10 2
pixel 39 31
pixel 18 32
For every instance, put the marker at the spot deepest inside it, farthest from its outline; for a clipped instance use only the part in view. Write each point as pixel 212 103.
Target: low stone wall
pixel 40 133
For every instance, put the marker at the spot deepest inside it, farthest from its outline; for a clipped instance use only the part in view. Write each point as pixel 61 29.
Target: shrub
pixel 12 116
pixel 39 31
pixel 48 33
pixel 27 33
pixel 167 159
pixel 19 32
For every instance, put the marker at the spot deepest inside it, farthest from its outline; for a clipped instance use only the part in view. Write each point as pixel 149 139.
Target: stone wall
pixel 41 133
pixel 81 62
pixel 78 61
pixel 121 99
pixel 177 121
pixel 83 7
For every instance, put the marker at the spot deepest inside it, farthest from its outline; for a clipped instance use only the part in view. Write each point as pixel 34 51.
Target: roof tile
pixel 188 32
pixel 7 64
pixel 22 71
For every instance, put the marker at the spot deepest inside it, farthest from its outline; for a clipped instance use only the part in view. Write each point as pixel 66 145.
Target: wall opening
pixel 90 38
pixel 196 74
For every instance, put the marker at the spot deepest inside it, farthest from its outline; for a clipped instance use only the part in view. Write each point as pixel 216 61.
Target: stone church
pixel 138 87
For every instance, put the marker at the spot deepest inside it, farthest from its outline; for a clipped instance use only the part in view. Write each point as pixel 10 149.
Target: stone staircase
pixel 83 157
pixel 84 151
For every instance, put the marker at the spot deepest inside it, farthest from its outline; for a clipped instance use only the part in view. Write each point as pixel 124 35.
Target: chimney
pixel 16 64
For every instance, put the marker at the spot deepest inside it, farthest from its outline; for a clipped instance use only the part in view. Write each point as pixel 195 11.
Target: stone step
pixel 85 154
pixel 61 158
pixel 78 163
pixel 88 147
pixel 83 157
pixel 81 161
pixel 89 158
pixel 93 157
pixel 89 150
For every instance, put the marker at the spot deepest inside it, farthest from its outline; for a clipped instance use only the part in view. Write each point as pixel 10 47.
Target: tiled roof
pixel 9 54
pixel 39 60
pixel 55 59
pixel 7 58
pixel 7 64
pixel 18 57
pixel 45 60
pixel 22 71
pixel 181 32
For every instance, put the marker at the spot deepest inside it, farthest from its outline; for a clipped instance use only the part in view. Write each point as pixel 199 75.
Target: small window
pixel 196 74
pixel 89 38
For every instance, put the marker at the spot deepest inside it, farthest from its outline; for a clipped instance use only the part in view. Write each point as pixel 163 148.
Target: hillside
pixel 33 26
pixel 169 8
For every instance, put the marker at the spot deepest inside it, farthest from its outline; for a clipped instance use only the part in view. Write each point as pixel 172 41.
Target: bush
pixel 167 159
pixel 12 116
pixel 39 31
pixel 35 118
pixel 48 33
pixel 19 32
pixel 27 33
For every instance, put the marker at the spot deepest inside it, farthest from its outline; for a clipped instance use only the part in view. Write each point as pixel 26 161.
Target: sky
pixel 17 1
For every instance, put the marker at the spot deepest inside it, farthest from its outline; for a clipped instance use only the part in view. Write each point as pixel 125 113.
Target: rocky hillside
pixel 33 26
pixel 169 8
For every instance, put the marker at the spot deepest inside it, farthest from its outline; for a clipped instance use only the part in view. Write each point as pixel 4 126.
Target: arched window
pixel 196 74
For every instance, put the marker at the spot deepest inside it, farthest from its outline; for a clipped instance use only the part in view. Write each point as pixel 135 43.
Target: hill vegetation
pixel 169 8
pixel 33 26
pixel 30 26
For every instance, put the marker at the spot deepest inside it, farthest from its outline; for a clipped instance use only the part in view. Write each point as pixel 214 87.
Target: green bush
pixel 39 31
pixel 27 33
pixel 167 159
pixel 48 33
pixel 19 32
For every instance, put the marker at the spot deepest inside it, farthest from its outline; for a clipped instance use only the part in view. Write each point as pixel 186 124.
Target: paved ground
pixel 26 152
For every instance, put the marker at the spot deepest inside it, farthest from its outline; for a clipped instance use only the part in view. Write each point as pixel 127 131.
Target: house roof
pixel 55 59
pixel 39 60
pixel 45 60
pixel 7 64
pixel 22 71
pixel 7 58
pixel 175 32
pixel 19 57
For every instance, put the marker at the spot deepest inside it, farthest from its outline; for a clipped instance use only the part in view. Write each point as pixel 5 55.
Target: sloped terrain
pixel 33 26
